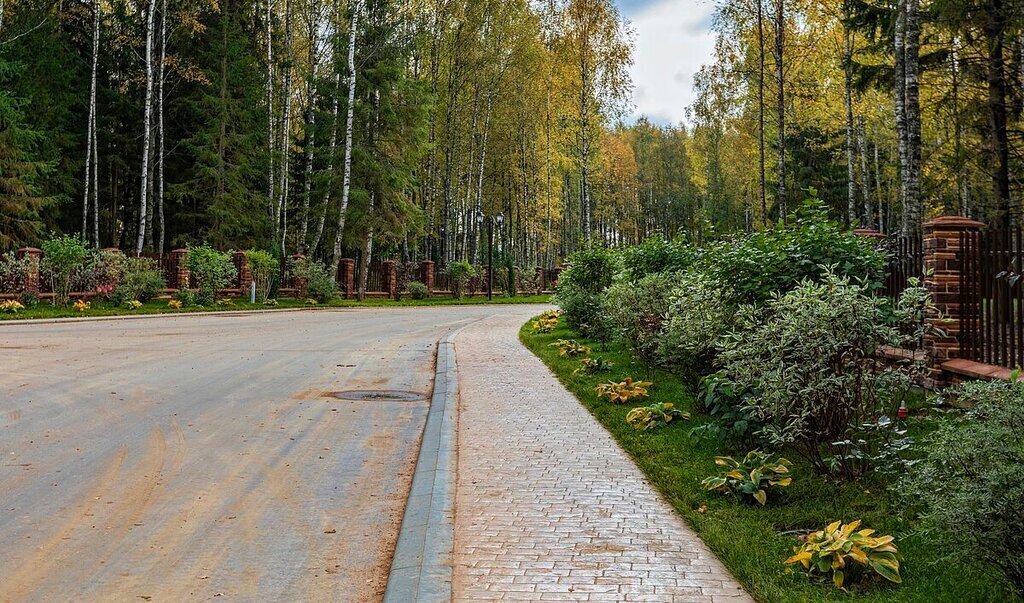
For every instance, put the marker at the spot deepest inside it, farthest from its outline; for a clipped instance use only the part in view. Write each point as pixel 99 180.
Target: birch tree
pixel 146 129
pixel 346 185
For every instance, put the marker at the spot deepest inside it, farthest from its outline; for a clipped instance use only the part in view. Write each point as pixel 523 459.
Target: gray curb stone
pixel 421 570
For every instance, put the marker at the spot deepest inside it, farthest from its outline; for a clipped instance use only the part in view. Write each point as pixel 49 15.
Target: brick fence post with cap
pixel 300 283
pixel 181 274
pixel 427 274
pixel 244 273
pixel 34 256
pixel 390 278
pixel 347 276
pixel 943 265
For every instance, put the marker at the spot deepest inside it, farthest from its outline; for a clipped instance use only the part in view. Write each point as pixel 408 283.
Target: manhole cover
pixel 378 395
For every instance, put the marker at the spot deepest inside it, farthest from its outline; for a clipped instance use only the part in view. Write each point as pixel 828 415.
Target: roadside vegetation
pixel 742 378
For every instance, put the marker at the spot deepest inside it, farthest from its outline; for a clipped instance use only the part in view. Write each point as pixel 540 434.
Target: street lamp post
pixel 491 220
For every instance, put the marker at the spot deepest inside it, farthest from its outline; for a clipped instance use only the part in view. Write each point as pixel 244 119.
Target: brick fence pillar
pixel 555 273
pixel 32 275
pixel 179 280
pixel 942 266
pixel 244 273
pixel 869 233
pixel 347 276
pixel 541 274
pixel 300 283
pixel 427 274
pixel 390 278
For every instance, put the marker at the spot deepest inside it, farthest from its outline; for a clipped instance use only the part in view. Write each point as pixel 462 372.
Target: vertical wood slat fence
pixel 906 262
pixel 992 297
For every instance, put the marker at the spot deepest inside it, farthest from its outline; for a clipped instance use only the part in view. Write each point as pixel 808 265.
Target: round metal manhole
pixel 379 395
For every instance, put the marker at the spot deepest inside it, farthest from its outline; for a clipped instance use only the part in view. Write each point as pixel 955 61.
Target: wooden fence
pixel 992 297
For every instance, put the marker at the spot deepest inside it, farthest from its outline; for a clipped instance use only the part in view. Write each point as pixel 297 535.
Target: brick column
pixel 555 272
pixel 300 283
pixel 244 273
pixel 180 279
pixel 34 255
pixel 427 274
pixel 540 279
pixel 942 266
pixel 390 278
pixel 347 276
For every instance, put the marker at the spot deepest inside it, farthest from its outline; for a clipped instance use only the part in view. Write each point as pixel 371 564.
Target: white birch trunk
pixel 268 17
pixel 281 215
pixel 350 115
pixel 91 129
pixel 160 128
pixel 146 127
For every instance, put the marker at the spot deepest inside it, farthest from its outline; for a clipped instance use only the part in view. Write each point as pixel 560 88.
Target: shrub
pixel 580 289
pixel 659 414
pixel 635 311
pixel 846 553
pixel 101 273
pixel 807 360
pixel 262 265
pixel 969 480
pixel 141 280
pixel 657 255
pixel 697 317
pixel 63 258
pixel 417 290
pixel 186 297
pixel 13 271
pixel 777 260
pixel 754 476
pixel 320 285
pixel 213 270
pixel 623 392
pixel 729 404
pixel 460 274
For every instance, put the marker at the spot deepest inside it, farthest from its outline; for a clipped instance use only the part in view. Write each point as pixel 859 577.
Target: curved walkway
pixel 548 507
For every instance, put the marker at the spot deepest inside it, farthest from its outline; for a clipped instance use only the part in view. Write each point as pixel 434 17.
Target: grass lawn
pixel 748 539
pixel 46 310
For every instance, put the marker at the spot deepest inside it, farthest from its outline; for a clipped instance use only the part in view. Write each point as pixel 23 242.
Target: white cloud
pixel 673 40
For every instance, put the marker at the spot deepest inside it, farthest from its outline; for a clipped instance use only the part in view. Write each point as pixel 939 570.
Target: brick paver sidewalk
pixel 548 507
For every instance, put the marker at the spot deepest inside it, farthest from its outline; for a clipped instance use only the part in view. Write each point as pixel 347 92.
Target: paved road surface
pixel 185 457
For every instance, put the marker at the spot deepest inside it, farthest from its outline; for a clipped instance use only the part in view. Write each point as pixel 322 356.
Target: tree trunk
pixel 90 181
pixel 281 214
pixel 339 233
pixel 900 99
pixel 762 181
pixel 995 30
pixel 913 116
pixel 161 134
pixel 307 184
pixel 780 83
pixel 271 149
pixel 146 127
pixel 851 145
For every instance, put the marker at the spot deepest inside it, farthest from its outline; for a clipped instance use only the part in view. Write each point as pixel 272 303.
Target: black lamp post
pixel 491 220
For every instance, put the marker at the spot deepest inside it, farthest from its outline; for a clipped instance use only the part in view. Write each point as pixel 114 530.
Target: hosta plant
pixel 593 366
pixel 133 304
pixel 753 476
pixel 270 302
pixel 311 302
pixel 551 314
pixel 623 392
pixel 846 552
pixel 545 324
pixel 570 347
pixel 225 301
pixel 11 306
pixel 81 305
pixel 175 304
pixel 654 416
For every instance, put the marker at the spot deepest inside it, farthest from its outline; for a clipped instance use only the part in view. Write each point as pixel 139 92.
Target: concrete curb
pixel 74 319
pixel 422 570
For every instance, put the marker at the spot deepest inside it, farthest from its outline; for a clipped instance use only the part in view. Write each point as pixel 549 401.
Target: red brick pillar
pixel 942 265
pixel 32 275
pixel 870 233
pixel 179 280
pixel 244 273
pixel 390 278
pixel 347 276
pixel 300 283
pixel 555 272
pixel 427 274
pixel 540 279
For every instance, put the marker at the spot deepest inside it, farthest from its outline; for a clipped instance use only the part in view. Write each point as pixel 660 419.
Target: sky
pixel 673 40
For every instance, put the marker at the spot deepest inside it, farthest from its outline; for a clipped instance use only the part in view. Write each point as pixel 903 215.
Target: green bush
pixel 212 270
pixel 417 290
pixel 263 267
pixel 777 260
pixel 636 310
pixel 581 287
pixel 13 272
pixel 808 359
pixel 657 255
pixel 320 283
pixel 63 259
pixel 141 280
pixel 969 480
pixel 697 317
pixel 460 274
